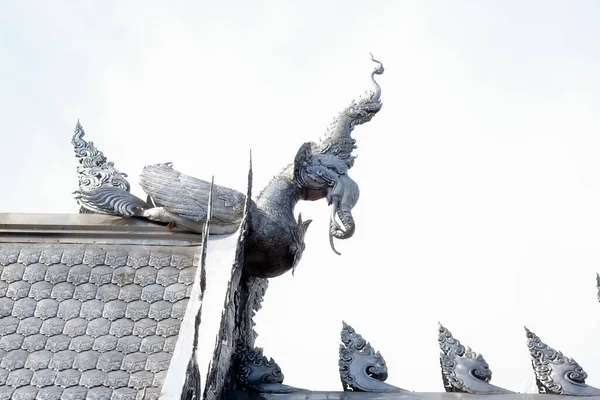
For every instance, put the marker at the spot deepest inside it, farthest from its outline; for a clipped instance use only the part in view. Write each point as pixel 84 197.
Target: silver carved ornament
pixel 362 369
pixel 463 370
pixel 275 243
pixel 598 285
pixel 556 373
pixel 255 373
pixel 94 171
pixel 323 167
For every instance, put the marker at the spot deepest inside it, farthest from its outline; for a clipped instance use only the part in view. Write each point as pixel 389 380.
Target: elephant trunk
pixel 343 197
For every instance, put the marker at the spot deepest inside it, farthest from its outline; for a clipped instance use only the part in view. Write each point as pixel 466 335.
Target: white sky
pixel 479 178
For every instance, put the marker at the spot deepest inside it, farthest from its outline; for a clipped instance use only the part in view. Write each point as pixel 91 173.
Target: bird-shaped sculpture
pixel 275 242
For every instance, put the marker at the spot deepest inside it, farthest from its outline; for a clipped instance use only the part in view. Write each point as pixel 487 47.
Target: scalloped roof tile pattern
pixel 90 321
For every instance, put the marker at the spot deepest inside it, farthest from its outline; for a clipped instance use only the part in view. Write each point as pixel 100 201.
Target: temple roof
pixel 90 320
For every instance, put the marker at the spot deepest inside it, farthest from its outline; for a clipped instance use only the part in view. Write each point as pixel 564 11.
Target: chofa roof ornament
pixel 255 373
pixel 324 166
pixel 94 171
pixel 362 369
pixel 463 370
pixel 556 373
pixel 275 242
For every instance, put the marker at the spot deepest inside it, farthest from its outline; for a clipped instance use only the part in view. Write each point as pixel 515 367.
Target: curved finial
pixel 362 369
pixel 556 373
pixel 337 141
pixel 377 71
pixel 598 285
pixel 463 370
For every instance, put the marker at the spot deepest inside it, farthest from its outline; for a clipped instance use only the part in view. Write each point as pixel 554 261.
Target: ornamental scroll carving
pixel 556 373
pixel 463 370
pixel 362 369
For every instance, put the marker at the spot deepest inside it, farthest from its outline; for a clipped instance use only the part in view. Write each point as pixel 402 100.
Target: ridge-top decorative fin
pixel 362 369
pixel 556 373
pixel 463 370
pixel 255 373
pixel 94 171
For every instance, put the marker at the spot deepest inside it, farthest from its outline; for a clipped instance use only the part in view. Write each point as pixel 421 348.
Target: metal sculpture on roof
pixel 463 370
pixel 276 241
pixel 556 373
pixel 362 369
pixel 598 286
pixel 257 373
pixel 94 170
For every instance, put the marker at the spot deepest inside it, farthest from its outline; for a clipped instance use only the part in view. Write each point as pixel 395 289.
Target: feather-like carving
pixel 188 196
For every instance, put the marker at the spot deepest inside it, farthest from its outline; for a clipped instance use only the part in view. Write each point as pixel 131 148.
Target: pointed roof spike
pixel 94 172
pixel 255 372
pixel 361 367
pixel 463 370
pixel 556 373
pixel 448 344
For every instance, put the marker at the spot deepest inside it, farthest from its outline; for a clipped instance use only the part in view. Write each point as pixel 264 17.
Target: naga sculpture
pixel 276 240
pixel 362 369
pixel 463 370
pixel 556 373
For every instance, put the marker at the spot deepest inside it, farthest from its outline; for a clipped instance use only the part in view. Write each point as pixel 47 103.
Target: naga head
pixel 326 176
pixel 321 169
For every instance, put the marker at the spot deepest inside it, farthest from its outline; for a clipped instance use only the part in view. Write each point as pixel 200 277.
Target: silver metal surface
pixel 362 369
pixel 255 372
pixel 89 228
pixel 94 171
pixel 276 239
pixel 556 373
pixel 320 395
pixel 463 370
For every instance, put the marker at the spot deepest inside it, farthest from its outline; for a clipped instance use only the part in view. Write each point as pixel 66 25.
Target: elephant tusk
pixel 332 244
pixel 333 225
